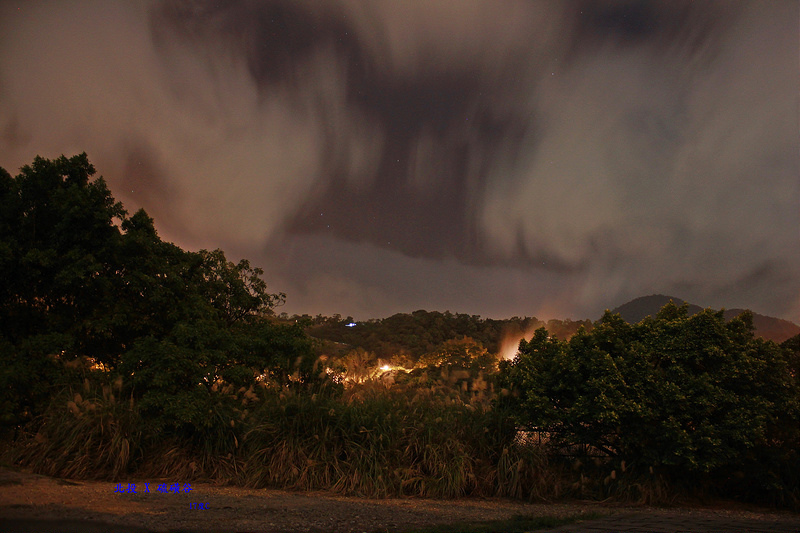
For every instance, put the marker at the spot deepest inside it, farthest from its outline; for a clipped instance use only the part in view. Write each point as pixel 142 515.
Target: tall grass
pixel 431 436
pixel 378 440
pixel 85 434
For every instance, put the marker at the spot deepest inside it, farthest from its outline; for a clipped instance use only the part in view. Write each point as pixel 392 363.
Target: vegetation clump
pixel 690 399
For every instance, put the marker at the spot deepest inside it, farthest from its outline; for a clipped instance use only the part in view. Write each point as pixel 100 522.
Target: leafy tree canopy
pixel 81 278
pixel 464 354
pixel 688 393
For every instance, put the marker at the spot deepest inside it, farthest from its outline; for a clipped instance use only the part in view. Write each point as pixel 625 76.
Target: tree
pixel 57 243
pixel 236 290
pixel 791 347
pixel 81 279
pixel 686 394
pixel 58 233
pixel 462 354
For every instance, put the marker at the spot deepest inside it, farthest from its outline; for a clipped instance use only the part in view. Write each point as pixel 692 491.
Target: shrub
pixel 685 395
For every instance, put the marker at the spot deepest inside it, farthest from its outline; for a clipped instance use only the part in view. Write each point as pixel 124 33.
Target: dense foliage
pixel 684 395
pixel 82 279
pixel 460 354
pixel 424 332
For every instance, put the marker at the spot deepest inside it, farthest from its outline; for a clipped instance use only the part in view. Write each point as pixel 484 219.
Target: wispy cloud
pixel 499 158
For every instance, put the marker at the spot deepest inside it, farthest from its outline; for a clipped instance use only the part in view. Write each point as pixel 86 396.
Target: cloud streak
pixel 495 158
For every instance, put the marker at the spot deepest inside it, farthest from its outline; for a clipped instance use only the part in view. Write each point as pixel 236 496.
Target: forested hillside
pixel 415 334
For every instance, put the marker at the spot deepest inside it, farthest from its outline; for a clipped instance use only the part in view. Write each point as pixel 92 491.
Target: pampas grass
pixel 434 437
pixel 430 434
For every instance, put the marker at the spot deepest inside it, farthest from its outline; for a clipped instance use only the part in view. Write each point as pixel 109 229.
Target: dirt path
pixel 33 503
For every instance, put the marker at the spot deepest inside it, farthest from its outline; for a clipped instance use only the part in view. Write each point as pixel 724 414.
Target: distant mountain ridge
pixel 767 327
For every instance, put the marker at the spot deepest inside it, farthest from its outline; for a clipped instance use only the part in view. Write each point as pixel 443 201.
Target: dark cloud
pixel 273 37
pixel 493 157
pixel 667 26
pixel 144 181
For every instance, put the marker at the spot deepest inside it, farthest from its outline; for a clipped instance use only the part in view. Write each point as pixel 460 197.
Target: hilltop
pixel 767 327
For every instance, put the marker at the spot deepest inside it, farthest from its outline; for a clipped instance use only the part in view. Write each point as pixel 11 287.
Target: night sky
pixel 500 158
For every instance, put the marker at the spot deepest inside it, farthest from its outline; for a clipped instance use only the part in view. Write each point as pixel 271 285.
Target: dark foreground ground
pixel 32 504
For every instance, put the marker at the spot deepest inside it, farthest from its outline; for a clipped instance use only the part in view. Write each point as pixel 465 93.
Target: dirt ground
pixel 34 503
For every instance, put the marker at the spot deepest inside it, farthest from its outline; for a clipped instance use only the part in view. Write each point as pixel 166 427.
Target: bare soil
pixel 33 503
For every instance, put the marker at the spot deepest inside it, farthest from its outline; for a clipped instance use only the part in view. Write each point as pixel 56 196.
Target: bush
pixel 685 395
